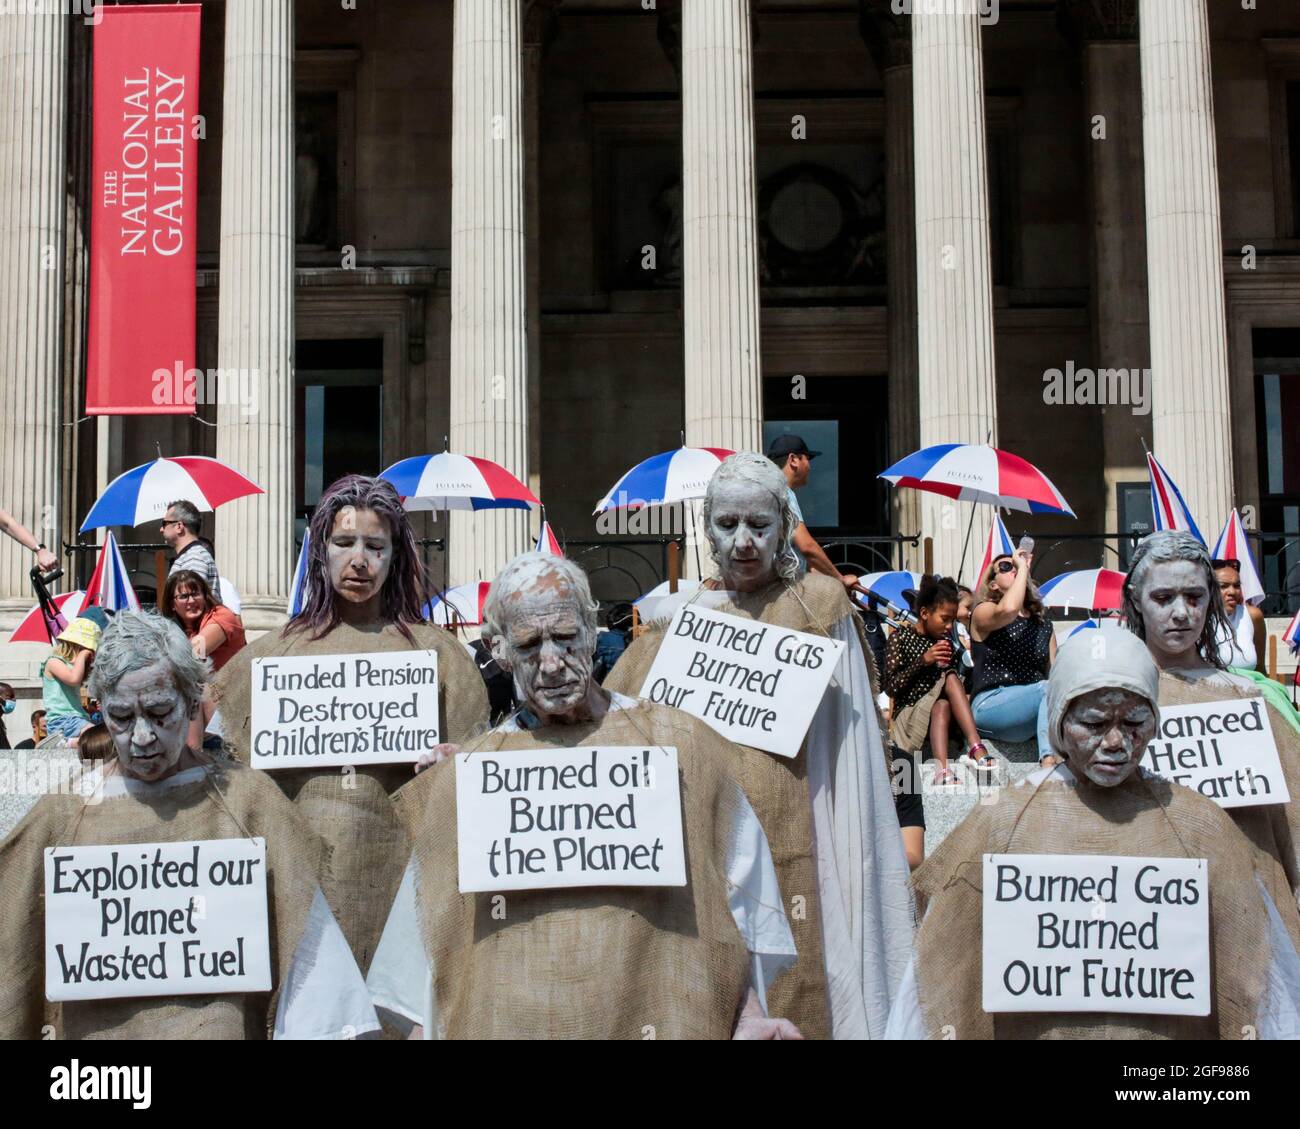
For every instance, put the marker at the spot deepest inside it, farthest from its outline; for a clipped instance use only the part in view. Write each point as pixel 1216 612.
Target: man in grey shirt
pixel 180 529
pixel 791 454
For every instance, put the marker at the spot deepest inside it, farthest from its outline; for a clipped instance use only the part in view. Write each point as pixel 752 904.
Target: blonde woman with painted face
pixel 1103 704
pixel 829 812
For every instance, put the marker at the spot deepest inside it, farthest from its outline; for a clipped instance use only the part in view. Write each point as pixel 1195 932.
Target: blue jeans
pixel 67 726
pixel 1014 713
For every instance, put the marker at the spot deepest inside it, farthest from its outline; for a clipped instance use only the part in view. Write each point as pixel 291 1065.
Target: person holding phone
pixel 1014 647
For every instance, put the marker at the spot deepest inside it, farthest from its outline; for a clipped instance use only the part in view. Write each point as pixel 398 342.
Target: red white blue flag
pixel 547 542
pixel 1232 545
pixel 999 545
pixel 110 586
pixel 1168 509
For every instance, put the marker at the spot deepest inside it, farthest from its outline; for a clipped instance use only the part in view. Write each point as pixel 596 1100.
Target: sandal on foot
pixel 945 776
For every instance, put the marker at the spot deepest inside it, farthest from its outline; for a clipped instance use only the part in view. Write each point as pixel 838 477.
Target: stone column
pixel 33 62
pixel 1189 343
pixel 720 298
pixel 254 536
pixel 1121 339
pixel 489 325
pixel 954 296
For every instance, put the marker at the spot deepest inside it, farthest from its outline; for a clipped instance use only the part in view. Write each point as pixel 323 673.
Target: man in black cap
pixel 791 454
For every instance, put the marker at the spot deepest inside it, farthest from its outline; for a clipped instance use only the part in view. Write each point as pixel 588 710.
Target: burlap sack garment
pixel 1138 818
pixel 295 865
pixel 1273 828
pixel 777 787
pixel 592 963
pixel 352 813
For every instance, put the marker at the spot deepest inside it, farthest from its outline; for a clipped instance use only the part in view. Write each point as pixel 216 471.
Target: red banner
pixel 144 194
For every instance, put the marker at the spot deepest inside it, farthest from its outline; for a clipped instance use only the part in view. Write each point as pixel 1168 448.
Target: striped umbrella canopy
pixel 890 586
pixel 32 627
pixel 1094 589
pixel 459 606
pixel 547 542
pixel 457 482
pixel 1233 546
pixel 673 476
pixel 110 585
pixel 976 472
pixel 1169 510
pixel 144 493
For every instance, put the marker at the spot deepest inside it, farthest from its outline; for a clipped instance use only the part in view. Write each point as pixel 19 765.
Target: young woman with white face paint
pixel 159 789
pixel 829 811
pixel 1103 709
pixel 365 594
pixel 1173 603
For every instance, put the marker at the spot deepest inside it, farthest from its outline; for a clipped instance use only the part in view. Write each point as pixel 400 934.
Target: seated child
pixel 927 691
pixel 62 675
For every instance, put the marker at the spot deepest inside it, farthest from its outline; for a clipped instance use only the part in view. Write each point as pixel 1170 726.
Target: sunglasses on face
pixel 1006 566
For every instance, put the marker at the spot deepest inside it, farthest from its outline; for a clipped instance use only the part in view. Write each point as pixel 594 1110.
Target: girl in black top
pixel 927 691
pixel 1014 647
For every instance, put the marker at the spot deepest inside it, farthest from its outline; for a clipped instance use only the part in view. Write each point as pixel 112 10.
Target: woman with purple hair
pixel 364 594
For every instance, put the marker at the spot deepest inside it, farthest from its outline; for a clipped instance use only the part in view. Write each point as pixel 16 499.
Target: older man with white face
pixel 596 963
pixel 159 790
pixel 1172 603
pixel 828 812
pixel 1103 710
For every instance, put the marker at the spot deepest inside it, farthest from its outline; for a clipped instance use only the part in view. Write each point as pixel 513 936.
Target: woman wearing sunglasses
pixel 1014 647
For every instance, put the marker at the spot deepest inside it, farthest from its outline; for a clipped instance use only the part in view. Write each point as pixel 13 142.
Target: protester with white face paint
pixel 829 812
pixel 583 963
pixel 1172 602
pixel 365 594
pixel 1103 710
pixel 158 789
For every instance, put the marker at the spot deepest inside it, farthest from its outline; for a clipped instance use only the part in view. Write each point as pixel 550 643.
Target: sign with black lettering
pixel 1104 933
pixel 604 816
pixel 156 919
pixel 322 710
pixel 756 684
pixel 1224 750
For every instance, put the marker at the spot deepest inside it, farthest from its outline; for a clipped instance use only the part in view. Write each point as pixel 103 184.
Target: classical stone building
pixel 563 235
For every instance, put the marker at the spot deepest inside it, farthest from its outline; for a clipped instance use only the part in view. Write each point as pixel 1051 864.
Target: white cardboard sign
pixel 156 919
pixel 608 815
pixel 756 684
pixel 324 710
pixel 1099 933
pixel 1224 750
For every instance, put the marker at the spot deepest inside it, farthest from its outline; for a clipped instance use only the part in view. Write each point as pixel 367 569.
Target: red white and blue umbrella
pixel 32 628
pixel 890 586
pixel 1291 636
pixel 144 493
pixel 110 586
pixel 462 605
pixel 1168 509
pixel 547 542
pixel 1233 546
pixel 457 482
pixel 999 545
pixel 976 472
pixel 1093 589
pixel 674 476
pixel 300 590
